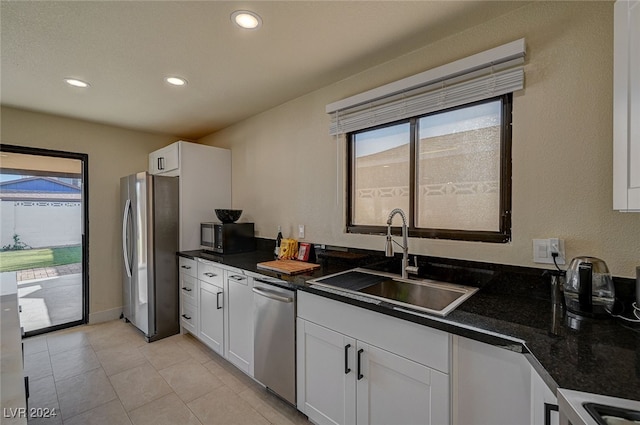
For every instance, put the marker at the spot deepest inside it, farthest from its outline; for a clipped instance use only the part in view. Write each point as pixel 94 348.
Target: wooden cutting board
pixel 288 266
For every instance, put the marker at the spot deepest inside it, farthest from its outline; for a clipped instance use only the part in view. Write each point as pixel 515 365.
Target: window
pixel 449 170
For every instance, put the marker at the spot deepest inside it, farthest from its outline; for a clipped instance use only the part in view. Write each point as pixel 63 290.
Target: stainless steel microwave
pixel 227 238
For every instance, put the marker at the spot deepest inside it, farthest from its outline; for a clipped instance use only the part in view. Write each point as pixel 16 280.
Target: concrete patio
pixel 50 296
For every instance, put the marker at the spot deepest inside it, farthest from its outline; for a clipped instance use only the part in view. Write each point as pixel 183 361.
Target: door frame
pixel 84 158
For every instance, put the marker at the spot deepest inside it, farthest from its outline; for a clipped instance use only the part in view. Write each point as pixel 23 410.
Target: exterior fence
pixel 41 224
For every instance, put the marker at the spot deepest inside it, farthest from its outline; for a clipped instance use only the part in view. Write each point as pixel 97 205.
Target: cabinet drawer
pixel 209 273
pixel 188 266
pixel 189 289
pixel 189 317
pixel 237 278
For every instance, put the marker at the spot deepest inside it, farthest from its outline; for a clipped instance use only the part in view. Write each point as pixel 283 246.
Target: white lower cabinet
pixel 395 390
pixel 350 375
pixel 544 403
pixel 495 386
pixel 216 306
pixel 189 317
pixel 491 385
pixel 211 306
pixel 188 296
pixel 212 317
pixel 239 320
pixel 326 374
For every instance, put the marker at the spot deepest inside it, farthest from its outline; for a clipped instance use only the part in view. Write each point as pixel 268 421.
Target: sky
pixel 477 117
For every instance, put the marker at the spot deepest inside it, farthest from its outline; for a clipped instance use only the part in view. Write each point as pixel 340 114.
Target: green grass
pixel 33 258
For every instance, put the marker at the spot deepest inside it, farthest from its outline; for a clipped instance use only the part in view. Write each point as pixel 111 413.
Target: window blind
pixel 482 76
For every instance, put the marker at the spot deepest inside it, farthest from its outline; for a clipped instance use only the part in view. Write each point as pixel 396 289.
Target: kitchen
pixel 287 170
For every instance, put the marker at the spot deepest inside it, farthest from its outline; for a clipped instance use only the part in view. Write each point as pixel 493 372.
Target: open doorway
pixel 44 235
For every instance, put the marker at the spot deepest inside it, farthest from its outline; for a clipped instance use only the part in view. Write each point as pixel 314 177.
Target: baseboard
pixel 105 315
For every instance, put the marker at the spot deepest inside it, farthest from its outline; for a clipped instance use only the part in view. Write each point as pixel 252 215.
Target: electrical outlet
pixel 557 246
pixel 300 231
pixel 544 248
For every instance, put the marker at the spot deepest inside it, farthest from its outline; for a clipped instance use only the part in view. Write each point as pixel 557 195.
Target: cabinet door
pixel 626 106
pixel 211 312
pixel 491 385
pixel 394 390
pixel 544 404
pixel 239 347
pixel 326 374
pixel 165 160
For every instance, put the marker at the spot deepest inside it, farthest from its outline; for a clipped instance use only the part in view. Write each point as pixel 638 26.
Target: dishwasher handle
pixel 272 295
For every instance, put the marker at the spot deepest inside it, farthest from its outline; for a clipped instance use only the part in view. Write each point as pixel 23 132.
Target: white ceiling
pixel 126 48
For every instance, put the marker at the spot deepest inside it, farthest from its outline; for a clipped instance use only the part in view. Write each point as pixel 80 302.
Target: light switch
pixel 541 251
pixel 300 231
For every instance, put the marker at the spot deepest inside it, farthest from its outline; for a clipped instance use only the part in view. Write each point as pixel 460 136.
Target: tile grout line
pixel 261 405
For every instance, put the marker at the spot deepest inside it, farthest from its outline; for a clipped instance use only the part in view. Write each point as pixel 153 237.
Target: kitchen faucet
pixel 388 246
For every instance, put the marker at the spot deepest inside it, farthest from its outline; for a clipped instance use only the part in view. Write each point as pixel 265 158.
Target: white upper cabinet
pixel 205 184
pixel 626 106
pixel 165 161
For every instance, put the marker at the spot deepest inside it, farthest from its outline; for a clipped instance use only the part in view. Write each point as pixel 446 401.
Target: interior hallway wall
pixel 113 152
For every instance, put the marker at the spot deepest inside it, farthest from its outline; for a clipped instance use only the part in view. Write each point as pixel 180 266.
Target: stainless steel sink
pixel 430 296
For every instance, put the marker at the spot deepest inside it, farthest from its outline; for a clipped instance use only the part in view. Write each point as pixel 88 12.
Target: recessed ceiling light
pixel 76 83
pixel 245 19
pixel 176 81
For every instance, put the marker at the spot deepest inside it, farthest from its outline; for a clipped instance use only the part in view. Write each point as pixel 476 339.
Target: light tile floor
pixel 107 374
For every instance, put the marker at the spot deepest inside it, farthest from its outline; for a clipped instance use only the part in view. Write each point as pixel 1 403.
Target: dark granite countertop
pixel 596 356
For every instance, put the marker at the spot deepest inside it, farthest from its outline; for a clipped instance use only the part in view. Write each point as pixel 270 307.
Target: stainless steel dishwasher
pixel 274 337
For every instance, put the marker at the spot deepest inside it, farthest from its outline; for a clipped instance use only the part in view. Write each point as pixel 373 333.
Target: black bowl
pixel 228 216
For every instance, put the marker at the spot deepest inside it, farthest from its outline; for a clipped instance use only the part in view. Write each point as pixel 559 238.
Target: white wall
pixel 288 171
pixel 41 224
pixel 113 152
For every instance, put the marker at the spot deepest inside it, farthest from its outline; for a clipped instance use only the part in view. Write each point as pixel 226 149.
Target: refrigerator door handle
pixel 125 250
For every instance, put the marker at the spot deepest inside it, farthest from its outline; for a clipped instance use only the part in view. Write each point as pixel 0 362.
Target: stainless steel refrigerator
pixel 149 210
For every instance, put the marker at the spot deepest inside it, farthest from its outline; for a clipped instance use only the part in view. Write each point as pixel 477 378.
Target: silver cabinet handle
pixel 186 267
pixel 186 317
pixel 210 274
pixel 272 295
pixel 218 306
pixel 184 288
pixel 237 277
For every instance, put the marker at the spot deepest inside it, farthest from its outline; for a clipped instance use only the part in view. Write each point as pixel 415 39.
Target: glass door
pixel 44 235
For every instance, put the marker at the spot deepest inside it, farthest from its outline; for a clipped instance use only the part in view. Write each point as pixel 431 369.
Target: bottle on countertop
pixel 276 251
